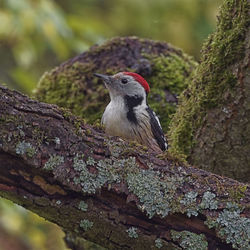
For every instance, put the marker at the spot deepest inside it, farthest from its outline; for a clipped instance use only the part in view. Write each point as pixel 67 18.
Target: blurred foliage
pixel 36 35
pixel 35 231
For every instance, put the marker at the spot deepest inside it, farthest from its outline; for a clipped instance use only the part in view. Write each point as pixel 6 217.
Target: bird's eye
pixel 124 80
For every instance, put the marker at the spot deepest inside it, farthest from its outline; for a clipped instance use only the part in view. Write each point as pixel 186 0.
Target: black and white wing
pixel 157 130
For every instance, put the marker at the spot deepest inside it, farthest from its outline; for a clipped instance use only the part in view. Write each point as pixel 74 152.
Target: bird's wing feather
pixel 157 130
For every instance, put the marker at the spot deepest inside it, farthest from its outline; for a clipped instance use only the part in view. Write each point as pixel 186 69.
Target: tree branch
pixel 111 192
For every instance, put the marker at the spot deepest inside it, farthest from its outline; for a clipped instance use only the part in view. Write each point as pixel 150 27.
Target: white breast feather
pixel 117 124
pixel 115 119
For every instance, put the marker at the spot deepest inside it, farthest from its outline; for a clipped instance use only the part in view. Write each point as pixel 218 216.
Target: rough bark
pixel 110 192
pixel 212 125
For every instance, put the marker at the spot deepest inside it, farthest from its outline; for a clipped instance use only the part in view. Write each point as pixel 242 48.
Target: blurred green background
pixel 36 35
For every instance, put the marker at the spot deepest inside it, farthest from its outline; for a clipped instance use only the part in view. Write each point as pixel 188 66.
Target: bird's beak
pixel 105 78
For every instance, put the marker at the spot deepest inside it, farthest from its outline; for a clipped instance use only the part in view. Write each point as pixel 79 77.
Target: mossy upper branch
pixel 70 172
pixel 73 86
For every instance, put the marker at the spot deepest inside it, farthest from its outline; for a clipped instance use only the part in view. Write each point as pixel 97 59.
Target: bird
pixel 128 114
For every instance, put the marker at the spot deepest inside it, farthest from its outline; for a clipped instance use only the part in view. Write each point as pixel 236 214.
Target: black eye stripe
pixel 124 80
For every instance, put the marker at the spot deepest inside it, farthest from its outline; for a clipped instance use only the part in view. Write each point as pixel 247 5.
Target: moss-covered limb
pixel 110 192
pixel 212 125
pixel 72 84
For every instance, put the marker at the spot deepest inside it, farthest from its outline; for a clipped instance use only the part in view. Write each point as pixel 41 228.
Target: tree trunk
pixel 212 125
pixel 111 192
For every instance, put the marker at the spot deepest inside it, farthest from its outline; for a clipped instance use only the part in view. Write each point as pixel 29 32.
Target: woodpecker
pixel 128 114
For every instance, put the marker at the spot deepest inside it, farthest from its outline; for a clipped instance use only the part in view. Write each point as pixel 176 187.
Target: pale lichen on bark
pixel 88 173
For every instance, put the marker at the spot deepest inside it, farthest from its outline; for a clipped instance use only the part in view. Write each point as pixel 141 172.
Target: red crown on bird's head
pixel 139 79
